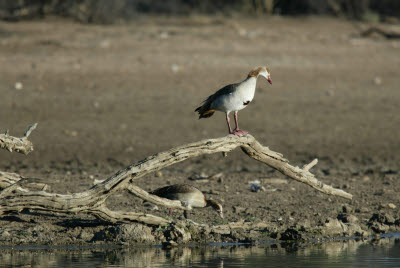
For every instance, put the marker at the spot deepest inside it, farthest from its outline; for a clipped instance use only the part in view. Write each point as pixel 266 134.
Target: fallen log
pixel 92 201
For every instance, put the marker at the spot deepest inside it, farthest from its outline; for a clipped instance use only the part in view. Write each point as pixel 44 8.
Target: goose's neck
pixel 250 79
pixel 250 82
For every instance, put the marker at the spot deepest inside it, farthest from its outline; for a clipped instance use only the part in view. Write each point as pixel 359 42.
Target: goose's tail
pixel 204 111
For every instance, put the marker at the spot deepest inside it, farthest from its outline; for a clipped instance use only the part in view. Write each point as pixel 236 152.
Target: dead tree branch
pixel 20 145
pixel 92 201
pixel 385 33
pixel 8 178
pixel 139 192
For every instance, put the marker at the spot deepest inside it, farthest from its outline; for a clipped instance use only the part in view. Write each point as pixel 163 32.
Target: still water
pixel 369 253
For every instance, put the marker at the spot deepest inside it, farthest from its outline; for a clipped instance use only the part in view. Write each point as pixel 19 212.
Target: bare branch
pixel 385 33
pixel 103 213
pixel 139 192
pixel 20 145
pixel 255 151
pixel 93 200
pixel 310 165
pixel 30 129
pixel 8 178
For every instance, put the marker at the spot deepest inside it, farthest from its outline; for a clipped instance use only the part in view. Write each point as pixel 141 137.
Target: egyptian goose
pixel 233 98
pixel 189 196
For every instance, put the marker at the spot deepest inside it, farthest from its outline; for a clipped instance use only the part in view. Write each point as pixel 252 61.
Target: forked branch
pixel 20 145
pixel 93 200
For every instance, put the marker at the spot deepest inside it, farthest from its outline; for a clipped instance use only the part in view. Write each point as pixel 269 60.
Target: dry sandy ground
pixel 108 96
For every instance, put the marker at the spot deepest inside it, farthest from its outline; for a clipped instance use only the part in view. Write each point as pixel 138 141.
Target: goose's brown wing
pixel 167 191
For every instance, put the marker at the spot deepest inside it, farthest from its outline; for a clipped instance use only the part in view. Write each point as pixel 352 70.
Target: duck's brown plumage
pixel 177 191
pixel 189 195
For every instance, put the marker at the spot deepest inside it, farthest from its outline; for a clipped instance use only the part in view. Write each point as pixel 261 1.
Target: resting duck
pixel 233 98
pixel 189 196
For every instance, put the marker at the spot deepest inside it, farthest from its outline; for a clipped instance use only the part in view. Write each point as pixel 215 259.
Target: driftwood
pixel 20 145
pixel 385 33
pixel 14 197
pixel 8 178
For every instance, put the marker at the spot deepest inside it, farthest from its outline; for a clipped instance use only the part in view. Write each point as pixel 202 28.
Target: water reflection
pixel 372 253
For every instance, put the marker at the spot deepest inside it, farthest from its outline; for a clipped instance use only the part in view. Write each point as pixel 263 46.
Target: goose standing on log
pixel 233 98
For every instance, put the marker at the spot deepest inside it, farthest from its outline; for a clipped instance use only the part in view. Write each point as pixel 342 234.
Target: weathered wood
pixel 8 178
pixel 139 192
pixel 296 173
pixel 92 201
pixel 20 145
pixel 104 214
pixel 385 33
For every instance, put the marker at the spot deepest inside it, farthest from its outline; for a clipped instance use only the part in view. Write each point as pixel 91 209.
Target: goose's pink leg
pixel 229 125
pixel 237 130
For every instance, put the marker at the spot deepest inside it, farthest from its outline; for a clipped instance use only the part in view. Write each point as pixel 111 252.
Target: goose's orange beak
pixel 269 80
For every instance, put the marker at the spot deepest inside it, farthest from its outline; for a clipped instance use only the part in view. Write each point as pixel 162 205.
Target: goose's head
pixel 215 205
pixel 263 71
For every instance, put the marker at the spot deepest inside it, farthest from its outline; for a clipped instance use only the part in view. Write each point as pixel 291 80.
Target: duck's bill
pixel 270 80
pixel 221 215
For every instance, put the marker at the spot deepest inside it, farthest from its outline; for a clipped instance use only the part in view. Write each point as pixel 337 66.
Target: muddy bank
pixel 286 210
pixel 107 97
pixel 78 232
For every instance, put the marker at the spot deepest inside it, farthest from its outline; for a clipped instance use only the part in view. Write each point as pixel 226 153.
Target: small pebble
pixel 330 92
pixel 164 35
pixel 214 192
pixel 175 68
pixel 364 210
pixel 105 43
pixel 377 80
pixel 5 234
pixel 391 205
pixel 257 188
pixel 237 209
pixel 19 86
pixel 366 179
pixel 347 209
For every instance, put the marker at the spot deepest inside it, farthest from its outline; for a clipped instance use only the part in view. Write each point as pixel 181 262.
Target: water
pixel 370 253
